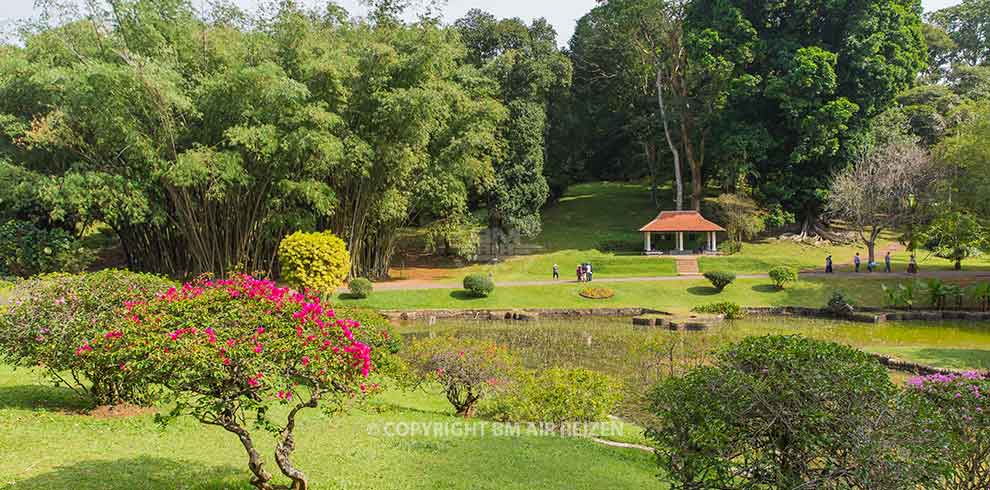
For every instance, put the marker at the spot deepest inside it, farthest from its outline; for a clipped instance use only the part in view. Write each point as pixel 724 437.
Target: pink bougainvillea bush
pixel 225 350
pixel 962 402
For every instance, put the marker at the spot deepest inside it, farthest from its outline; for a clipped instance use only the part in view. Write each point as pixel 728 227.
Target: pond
pixel 642 356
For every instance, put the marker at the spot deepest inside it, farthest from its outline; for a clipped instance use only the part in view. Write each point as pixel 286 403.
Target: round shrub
pixel 720 279
pixel 768 406
pixel 728 309
pixel 479 285
pixel 468 370
pixel 229 351
pixel 556 396
pixel 596 293
pixel 360 287
pixel 839 305
pixel 783 275
pixel 50 319
pixel 317 262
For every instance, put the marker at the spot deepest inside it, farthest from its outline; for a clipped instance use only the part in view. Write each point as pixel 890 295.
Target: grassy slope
pixel 84 453
pixel 666 295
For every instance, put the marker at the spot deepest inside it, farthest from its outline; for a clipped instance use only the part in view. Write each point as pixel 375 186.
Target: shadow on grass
pixel 953 358
pixel 41 397
pixel 144 473
pixel 702 290
pixel 349 297
pixel 766 288
pixel 463 295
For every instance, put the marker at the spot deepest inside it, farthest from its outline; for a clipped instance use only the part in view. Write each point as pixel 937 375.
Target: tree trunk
pixel 255 463
pixel 678 180
pixel 287 444
pixel 958 265
pixel 695 164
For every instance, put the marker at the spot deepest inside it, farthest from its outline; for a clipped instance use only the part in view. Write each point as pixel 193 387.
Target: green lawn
pixel 675 295
pixel 46 447
pixel 540 267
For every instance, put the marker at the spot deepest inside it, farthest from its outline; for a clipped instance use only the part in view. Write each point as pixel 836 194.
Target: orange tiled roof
pixel 669 221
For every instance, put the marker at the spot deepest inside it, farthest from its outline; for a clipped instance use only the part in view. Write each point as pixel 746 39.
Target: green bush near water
pixel 720 279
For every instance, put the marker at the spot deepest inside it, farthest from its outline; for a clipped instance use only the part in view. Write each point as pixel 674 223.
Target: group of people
pixel 583 271
pixel 871 265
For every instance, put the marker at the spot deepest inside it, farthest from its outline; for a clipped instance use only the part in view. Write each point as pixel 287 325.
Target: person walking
pixel 588 272
pixel 556 272
pixel 828 264
pixel 857 261
pixel 912 265
pixel 886 262
pixel 580 273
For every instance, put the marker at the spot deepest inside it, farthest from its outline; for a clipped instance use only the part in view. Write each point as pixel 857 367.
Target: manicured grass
pixel 673 295
pixel 540 267
pixel 46 448
pixel 592 214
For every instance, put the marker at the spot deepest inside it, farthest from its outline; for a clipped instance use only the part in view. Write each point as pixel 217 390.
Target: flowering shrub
pixel 783 275
pixel 963 406
pixel 556 396
pixel 720 280
pixel 596 293
pixel 314 261
pixel 479 285
pixel 790 412
pixel 49 319
pixel 728 309
pixel 360 287
pixel 224 349
pixel 467 370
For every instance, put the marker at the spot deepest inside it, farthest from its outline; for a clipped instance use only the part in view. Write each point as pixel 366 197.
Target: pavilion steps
pixel 687 266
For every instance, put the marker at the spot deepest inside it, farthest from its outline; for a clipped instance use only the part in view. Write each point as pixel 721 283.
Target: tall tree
pixel 530 71
pixel 968 24
pixel 879 190
pixel 807 79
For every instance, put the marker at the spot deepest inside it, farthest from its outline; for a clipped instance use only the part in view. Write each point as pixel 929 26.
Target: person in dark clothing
pixel 886 262
pixel 857 261
pixel 828 264
pixel 556 272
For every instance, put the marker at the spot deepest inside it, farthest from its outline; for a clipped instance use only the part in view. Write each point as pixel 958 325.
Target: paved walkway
pixel 419 285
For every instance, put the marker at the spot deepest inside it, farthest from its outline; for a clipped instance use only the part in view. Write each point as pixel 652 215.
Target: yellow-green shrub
pixel 315 261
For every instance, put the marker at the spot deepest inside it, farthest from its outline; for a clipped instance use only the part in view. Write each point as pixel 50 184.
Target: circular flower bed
pixel 596 293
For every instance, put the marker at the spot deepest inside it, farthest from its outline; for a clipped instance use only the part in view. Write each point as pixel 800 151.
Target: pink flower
pixel 305 360
pixel 261 330
pixel 258 348
pixel 226 361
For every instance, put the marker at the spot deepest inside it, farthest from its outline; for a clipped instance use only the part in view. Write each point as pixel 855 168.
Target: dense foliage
pixel 467 370
pixel 765 415
pixel 51 320
pixel 728 309
pixel 226 349
pixel 26 250
pixel 556 396
pixel 964 415
pixel 201 139
pixel 317 262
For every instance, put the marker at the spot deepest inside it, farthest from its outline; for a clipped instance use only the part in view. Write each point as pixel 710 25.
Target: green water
pixel 614 345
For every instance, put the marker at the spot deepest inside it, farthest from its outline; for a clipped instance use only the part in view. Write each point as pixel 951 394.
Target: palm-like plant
pixel 937 293
pixel 956 293
pixel 980 292
pixel 907 293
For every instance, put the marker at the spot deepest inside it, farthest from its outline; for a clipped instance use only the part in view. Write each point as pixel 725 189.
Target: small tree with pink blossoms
pixel 963 405
pixel 467 370
pixel 227 350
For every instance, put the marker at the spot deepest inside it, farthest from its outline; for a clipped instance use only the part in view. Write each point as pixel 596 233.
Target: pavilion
pixel 678 223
